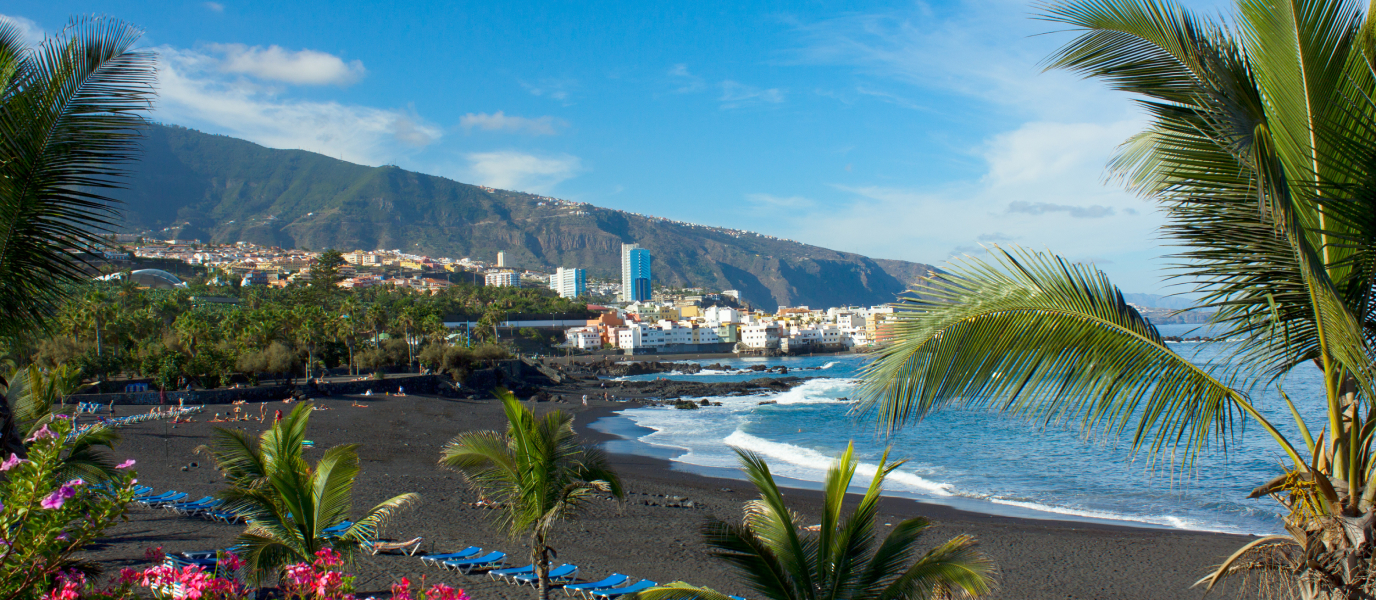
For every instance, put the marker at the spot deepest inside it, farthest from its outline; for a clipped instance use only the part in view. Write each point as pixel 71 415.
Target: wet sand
pixel 643 537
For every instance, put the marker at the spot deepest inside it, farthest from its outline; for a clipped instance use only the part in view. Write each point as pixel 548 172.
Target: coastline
pixel 1038 557
pixel 653 534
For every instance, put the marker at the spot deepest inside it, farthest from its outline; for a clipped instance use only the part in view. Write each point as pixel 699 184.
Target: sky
pixel 921 131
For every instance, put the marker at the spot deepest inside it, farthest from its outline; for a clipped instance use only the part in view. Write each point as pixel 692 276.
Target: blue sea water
pixel 977 460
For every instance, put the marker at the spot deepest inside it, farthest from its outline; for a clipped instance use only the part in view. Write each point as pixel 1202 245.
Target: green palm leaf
pixel 779 560
pixel 287 502
pixel 1035 336
pixel 538 472
pixel 70 118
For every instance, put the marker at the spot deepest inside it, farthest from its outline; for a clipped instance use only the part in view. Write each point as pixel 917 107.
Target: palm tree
pixel 538 472
pixel 70 118
pixel 782 560
pixel 32 393
pixel 288 503
pixel 1262 153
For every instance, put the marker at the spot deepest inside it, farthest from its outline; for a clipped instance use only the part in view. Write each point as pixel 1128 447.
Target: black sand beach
pixel 644 537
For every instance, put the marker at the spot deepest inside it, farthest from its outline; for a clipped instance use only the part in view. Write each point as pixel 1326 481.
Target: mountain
pixel 1158 301
pixel 192 185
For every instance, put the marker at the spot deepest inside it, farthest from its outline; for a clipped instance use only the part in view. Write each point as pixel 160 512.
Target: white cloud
pixel 193 91
pixel 1093 211
pixel 687 82
pixel 1035 193
pixel 987 51
pixel 33 34
pixel 735 94
pixel 511 170
pixel 274 63
pixel 215 7
pixel 499 121
pixel 557 89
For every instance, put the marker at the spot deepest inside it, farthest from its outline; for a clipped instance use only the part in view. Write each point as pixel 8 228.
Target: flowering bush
pixel 317 580
pixel 45 518
pixel 193 582
pixel 72 585
pixel 439 591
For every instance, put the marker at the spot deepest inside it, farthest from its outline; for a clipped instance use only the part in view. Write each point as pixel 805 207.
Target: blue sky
pixel 904 130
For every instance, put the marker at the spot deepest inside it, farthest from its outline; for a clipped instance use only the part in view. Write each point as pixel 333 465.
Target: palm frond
pixel 954 569
pixel 367 527
pixel 1036 336
pixel 679 590
pixel 70 119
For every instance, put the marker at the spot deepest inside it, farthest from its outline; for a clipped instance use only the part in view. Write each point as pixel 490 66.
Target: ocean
pixel 977 460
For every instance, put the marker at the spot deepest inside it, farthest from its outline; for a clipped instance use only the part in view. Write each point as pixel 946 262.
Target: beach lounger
pixel 223 516
pixel 434 560
pixel 612 580
pixel 182 507
pixel 558 575
pixel 512 572
pixel 337 530
pixel 155 498
pixel 609 593
pixel 196 508
pixel 171 498
pixel 492 560
pixel 408 548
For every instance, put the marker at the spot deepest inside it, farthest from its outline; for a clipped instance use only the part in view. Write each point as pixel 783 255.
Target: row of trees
pixel 177 337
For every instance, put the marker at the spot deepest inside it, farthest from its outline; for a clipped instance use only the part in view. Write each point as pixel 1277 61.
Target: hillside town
pixel 633 317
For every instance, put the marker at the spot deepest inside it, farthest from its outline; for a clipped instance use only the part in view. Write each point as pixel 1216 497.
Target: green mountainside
pixel 193 185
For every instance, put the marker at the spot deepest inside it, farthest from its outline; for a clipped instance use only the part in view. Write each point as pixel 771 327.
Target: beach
pixel 643 537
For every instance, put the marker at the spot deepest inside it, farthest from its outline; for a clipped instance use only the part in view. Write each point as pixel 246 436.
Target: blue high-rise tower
pixel 636 272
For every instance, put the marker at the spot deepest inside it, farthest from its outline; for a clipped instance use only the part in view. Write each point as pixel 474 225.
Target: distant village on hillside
pixel 633 316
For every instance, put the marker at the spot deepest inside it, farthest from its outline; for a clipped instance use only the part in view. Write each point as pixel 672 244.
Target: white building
pixel 762 335
pixel 569 283
pixel 584 338
pixel 501 260
pixel 716 315
pixel 503 279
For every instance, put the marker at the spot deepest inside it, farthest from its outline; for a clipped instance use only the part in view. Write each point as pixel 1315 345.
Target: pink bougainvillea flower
pixel 76 482
pixel 232 561
pixel 42 433
pixel 126 464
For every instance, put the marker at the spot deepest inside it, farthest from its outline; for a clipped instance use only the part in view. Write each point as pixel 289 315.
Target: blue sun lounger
pixel 557 575
pixel 223 516
pixel 436 560
pixel 163 497
pixel 191 508
pixel 491 560
pixel 616 592
pixel 512 572
pixel 335 531
pixel 172 499
pixel 614 579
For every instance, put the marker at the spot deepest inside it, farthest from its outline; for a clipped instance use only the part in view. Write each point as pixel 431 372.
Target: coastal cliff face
pixel 221 189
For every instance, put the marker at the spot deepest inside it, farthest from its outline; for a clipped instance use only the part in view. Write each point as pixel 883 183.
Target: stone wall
pixel 432 385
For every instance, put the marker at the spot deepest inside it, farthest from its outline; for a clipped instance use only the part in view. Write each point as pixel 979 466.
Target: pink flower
pixel 76 482
pixel 232 561
pixel 128 576
pixel 402 590
pixel 56 499
pixel 42 433
pixel 440 591
pixel 126 464
pixel 11 462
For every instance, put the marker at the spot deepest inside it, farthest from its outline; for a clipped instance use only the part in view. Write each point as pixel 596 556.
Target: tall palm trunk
pixel 541 552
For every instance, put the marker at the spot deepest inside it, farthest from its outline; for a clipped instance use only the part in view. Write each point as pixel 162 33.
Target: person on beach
pixel 277 416
pixel 585 399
